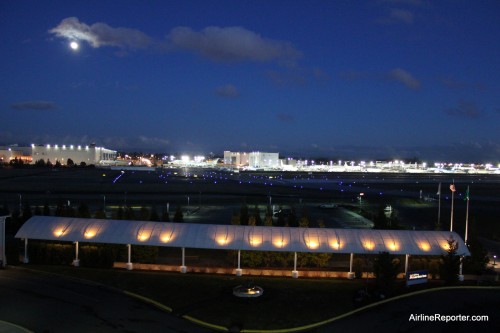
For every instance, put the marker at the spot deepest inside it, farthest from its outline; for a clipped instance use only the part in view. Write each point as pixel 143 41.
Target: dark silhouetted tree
pixel 450 263
pixel 235 218
pixel 144 214
pixel 154 215
pixel 244 214
pixel 83 211
pixel 380 221
pixel 40 163
pixel 476 263
pixel 27 213
pixel 179 215
pixel 281 219
pixel 292 218
pixel 119 214
pixel 4 210
pixel 165 217
pixel 100 214
pixel 268 220
pixel 46 209
pixel 386 268
pixel 129 213
pixel 256 214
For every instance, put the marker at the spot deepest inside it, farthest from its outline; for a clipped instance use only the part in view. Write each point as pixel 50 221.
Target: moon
pixel 74 45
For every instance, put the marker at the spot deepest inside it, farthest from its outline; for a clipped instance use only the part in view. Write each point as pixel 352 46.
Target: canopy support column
pixel 295 273
pixel 183 266
pixel 130 266
pixel 351 274
pixel 76 261
pixel 406 263
pixel 26 259
pixel 239 271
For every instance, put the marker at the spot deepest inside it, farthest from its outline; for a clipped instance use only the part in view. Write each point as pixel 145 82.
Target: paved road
pixel 396 316
pixel 46 303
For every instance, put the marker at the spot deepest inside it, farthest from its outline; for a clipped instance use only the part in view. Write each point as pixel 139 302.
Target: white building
pixel 235 158
pixel 89 154
pixel 8 154
pixel 263 160
pixel 254 159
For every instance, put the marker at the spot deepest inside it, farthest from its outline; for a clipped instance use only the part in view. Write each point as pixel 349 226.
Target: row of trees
pixel 283 218
pixel 19 163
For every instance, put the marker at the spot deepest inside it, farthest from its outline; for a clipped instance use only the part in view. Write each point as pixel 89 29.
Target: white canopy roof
pixel 236 237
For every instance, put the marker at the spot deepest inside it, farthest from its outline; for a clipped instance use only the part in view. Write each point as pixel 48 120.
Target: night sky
pixel 339 79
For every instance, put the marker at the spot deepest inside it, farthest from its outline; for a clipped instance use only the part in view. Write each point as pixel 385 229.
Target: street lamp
pixel 494 260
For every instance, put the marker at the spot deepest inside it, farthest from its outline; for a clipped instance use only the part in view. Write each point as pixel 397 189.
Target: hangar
pixel 236 237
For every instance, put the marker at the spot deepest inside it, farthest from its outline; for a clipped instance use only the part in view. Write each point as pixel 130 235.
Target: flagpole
pixel 452 188
pixel 467 216
pixel 439 207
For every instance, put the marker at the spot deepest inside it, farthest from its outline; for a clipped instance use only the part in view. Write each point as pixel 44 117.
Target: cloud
pixel 153 141
pixel 397 74
pixel 401 15
pixel 34 105
pixel 404 77
pixel 233 44
pixel 227 90
pixel 285 117
pixel 100 34
pixel 454 84
pixel 320 75
pixel 353 75
pixel 215 43
pixel 287 78
pixel 465 109
pixel 404 2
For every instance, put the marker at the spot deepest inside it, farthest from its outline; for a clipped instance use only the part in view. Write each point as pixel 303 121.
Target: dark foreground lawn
pixel 286 302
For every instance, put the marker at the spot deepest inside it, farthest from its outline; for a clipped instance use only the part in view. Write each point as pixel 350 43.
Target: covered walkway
pixel 236 237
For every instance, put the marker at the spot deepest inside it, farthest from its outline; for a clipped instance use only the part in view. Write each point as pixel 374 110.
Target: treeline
pixel 19 163
pixel 282 218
